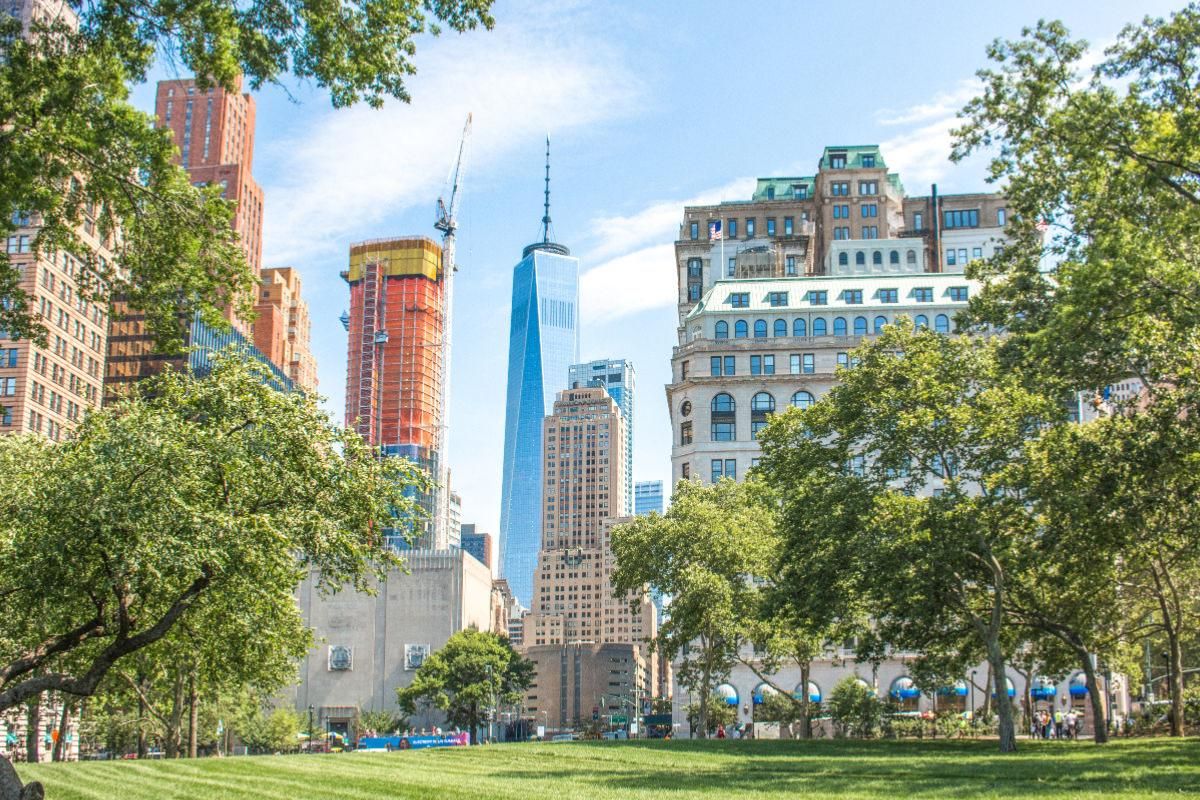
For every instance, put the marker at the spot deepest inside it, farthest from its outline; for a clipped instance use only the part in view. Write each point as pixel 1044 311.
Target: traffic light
pixel 595 713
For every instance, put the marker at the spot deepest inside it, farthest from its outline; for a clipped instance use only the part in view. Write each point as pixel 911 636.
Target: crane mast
pixel 447 223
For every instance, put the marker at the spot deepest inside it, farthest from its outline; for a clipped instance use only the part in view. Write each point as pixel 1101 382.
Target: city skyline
pixel 614 105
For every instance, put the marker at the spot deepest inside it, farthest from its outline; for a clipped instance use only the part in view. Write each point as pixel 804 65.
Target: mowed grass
pixel 676 770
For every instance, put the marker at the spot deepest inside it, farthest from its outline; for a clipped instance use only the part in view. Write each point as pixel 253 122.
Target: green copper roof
pixel 854 155
pixel 782 188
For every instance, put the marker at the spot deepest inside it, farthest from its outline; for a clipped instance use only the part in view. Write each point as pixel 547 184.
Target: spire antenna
pixel 546 214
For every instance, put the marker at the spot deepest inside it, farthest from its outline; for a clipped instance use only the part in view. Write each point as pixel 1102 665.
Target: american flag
pixel 1042 225
pixel 714 231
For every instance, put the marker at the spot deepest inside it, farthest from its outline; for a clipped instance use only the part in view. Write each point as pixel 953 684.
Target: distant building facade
pixel 617 377
pixel 647 497
pixel 282 330
pixel 368 646
pixel 478 545
pixel 588 682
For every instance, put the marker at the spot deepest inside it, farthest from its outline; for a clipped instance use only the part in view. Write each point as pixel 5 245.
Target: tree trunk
pixel 144 682
pixel 33 721
pixel 805 716
pixel 193 715
pixel 987 696
pixel 705 688
pixel 1097 699
pixel 61 751
pixel 174 732
pixel 1004 709
pixel 1175 656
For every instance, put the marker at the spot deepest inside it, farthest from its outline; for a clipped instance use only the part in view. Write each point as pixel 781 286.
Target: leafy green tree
pixel 381 722
pixel 270 730
pixel 200 503
pixel 473 672
pixel 702 553
pixel 854 709
pixel 920 411
pixel 706 717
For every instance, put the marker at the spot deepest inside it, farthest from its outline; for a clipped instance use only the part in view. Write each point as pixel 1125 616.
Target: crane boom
pixel 447 223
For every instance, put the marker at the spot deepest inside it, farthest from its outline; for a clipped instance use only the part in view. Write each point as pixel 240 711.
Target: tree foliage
pixel 183 517
pixel 473 672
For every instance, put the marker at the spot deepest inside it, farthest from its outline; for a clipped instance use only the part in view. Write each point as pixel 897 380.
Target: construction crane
pixel 447 223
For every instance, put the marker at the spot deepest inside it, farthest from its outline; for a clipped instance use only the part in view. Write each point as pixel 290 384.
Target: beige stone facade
pixel 585 682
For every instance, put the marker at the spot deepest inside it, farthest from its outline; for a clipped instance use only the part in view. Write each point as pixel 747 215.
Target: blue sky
pixel 649 106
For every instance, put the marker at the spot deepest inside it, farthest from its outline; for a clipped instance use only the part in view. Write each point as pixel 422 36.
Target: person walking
pixel 1058 723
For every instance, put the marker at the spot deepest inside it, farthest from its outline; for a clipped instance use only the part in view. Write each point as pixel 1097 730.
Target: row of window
pixel 867 210
pixel 723 415
pixel 860 257
pixel 730 230
pixel 851 297
pixel 741 328
pixel 798 364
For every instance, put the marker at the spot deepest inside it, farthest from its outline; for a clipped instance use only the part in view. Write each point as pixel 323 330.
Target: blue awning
pixel 1078 687
pixel 903 688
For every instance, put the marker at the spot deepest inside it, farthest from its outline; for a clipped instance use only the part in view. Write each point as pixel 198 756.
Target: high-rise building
pixel 543 342
pixel 647 497
pixel 282 329
pixel 394 372
pixel 46 389
pixel 477 544
pixel 617 377
pixel 585 491
pixel 214 130
pixel 454 521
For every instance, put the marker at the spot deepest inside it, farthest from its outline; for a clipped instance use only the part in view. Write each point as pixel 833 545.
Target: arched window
pixel 763 401
pixel 877 257
pixel 879 323
pixel 839 326
pixel 860 258
pixel 843 259
pixel 724 420
pixel 921 321
pixel 721 331
pixel 802 399
pixel 781 327
pixel 727 693
pixel 762 692
pixel 860 326
pixel 941 323
pixel 760 329
pixel 740 329
pixel 799 328
pixel 906 693
pixel 894 257
pixel 911 258
pixel 819 326
pixel 814 692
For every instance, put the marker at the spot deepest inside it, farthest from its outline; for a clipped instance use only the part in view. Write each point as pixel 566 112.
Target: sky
pixel 649 107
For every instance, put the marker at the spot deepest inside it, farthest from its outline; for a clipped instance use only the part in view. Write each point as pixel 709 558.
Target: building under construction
pixel 395 366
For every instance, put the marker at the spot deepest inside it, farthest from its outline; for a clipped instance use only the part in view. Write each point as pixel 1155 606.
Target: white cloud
pixel 357 166
pixel 921 154
pixel 637 255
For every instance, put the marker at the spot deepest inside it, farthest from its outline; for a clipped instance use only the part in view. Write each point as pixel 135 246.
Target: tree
pixel 473 672
pixel 854 709
pixel 708 716
pixel 703 553
pixel 921 411
pixel 195 505
pixel 76 159
pixel 270 730
pixel 381 723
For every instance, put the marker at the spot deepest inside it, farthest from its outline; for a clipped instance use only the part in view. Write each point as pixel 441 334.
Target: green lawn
pixel 676 770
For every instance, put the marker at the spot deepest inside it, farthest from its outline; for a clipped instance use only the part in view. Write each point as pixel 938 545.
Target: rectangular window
pixel 841 211
pixel 888 295
pixel 1001 217
pixel 853 297
pixel 756 365
pixel 790 266
pixel 8 357
pixel 870 209
pixel 809 364
pixel 840 189
pixel 958 294
pixel 961 219
pixel 693 293
pixel 837 161
pixel 8 386
pixel 868 188
pixel 683 370
pixel 695 268
pixel 685 471
pixel 730 365
pixel 6 416
pixel 769 365
pixel 750 228
pixel 976 252
pixel 800 191
pixel 718 469
pixel 918 221
pixel 789 226
pixel 731 468
pixel 770 226
pixel 794 363
pixel 731 268
pixel 777 299
pixel 868 161
pixel 694 231
pixel 962 256
pixel 723 431
pixel 843 359
pixel 714 366
pixel 870 232
pixel 951 258
pixel 685 433
pixel 818 298
pixel 923 294
pixel 739 299
pixel 731 228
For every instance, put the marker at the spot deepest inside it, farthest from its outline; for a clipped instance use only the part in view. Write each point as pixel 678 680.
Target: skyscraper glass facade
pixel 647 497
pixel 543 344
pixel 617 377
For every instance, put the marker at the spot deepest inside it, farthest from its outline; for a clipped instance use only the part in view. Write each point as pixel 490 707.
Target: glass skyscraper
pixel 617 377
pixel 648 496
pixel 543 344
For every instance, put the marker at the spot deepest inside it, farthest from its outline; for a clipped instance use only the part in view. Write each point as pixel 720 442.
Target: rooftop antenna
pixel 547 244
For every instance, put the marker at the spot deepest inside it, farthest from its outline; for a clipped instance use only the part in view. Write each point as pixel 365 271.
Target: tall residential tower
pixel 543 343
pixel 617 377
